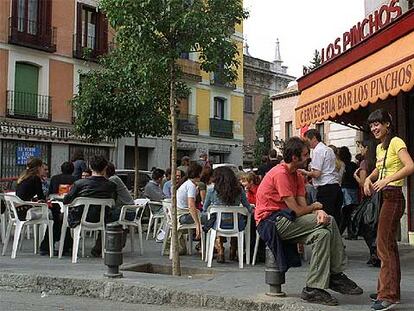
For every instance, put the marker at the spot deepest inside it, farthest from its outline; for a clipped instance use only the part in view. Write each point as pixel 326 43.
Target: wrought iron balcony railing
pixel 187 124
pixel 28 106
pixel 89 47
pixel 32 34
pixel 221 128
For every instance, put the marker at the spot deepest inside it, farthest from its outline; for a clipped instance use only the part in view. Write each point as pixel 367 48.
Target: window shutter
pixel 78 36
pixel 102 33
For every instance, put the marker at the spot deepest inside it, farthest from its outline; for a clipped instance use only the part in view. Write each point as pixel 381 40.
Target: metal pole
pixel 273 276
pixel 113 250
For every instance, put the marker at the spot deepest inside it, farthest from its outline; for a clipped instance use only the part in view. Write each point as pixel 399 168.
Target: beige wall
pixel 61 90
pixel 4 63
pixel 284 111
pixel 4 19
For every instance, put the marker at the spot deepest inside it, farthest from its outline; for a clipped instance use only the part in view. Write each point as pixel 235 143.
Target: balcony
pixel 32 34
pixel 217 80
pixel 221 128
pixel 190 68
pixel 29 106
pixel 89 48
pixel 187 124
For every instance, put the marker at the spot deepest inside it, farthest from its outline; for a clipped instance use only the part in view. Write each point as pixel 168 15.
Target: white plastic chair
pixel 217 231
pixel 85 225
pixel 156 213
pixel 138 209
pixel 3 219
pixel 166 204
pixel 37 215
pixel 256 248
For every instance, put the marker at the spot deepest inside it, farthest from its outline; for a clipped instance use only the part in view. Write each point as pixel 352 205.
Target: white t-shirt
pixel 323 160
pixel 186 190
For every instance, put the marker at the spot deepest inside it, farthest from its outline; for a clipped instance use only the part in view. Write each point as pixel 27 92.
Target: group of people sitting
pixel 99 181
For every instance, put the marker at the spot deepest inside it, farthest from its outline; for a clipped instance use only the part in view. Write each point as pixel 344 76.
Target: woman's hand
pixel 380 184
pixel 368 187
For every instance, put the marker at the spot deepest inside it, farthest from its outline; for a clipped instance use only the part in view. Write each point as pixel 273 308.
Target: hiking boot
pixel 320 296
pixel 342 284
pixel 383 305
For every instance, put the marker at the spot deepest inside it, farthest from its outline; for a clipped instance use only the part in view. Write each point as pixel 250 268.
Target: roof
pixel 290 91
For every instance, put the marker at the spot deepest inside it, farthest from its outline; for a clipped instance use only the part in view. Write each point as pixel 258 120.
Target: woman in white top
pixel 186 199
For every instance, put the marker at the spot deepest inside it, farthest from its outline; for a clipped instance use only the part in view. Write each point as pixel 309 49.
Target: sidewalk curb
pixel 138 293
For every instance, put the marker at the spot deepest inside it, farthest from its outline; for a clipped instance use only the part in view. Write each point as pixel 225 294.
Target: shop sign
pixel 362 30
pixel 23 154
pixel 368 90
pixel 39 131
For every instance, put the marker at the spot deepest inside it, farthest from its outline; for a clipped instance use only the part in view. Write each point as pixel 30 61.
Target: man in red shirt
pixel 283 188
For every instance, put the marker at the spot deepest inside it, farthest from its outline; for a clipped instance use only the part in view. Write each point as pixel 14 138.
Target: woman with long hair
pixel 368 152
pixel 29 185
pixel 227 191
pixel 393 164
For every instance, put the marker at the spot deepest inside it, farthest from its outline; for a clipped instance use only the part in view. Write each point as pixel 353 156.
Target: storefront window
pixel 89 152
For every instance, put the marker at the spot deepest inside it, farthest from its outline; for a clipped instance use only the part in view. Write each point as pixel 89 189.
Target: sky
pixel 300 25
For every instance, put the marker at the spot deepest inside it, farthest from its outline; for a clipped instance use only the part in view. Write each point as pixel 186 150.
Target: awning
pixel 379 75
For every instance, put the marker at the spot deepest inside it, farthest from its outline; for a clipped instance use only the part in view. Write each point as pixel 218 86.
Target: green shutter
pixel 26 89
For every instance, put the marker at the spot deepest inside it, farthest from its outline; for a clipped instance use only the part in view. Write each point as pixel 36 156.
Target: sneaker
pixel 383 305
pixel 342 284
pixel 320 296
pixel 374 298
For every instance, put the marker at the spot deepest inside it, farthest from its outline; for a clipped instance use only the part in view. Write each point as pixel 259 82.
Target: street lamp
pixel 261 139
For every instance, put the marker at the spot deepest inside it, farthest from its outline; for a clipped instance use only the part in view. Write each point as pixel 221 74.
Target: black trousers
pixel 331 198
pixel 57 227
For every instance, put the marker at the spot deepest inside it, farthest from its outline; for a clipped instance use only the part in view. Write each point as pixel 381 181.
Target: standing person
pixel 325 177
pixel 79 163
pixel 262 169
pixel 339 164
pixel 349 187
pixel 393 164
pixel 203 184
pixel 366 167
pixel 185 163
pixel 282 209
pixel 203 160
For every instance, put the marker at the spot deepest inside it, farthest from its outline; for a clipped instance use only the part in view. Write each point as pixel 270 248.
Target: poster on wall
pixel 23 154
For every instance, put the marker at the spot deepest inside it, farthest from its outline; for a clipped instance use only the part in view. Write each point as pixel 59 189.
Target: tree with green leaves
pixel 122 99
pixel 263 130
pixel 163 30
pixel 314 63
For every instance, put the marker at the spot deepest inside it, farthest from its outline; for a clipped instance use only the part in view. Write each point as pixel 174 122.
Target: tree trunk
pixel 136 166
pixel 176 267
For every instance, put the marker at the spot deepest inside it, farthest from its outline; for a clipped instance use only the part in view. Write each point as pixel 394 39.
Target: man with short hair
pixel 325 177
pixel 282 209
pixel 65 178
pixel 153 189
pixel 97 186
pixel 185 163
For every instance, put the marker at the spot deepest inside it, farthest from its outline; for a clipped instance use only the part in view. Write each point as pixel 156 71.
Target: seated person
pixel 153 189
pixel 56 182
pixel 226 191
pixel 187 211
pixel 166 189
pixel 29 185
pixel 96 186
pixel 123 196
pixel 250 182
pixel 281 206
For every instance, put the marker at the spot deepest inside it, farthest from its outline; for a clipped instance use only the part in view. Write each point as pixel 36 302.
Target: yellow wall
pixel 237 113
pixel 240 80
pixel 203 109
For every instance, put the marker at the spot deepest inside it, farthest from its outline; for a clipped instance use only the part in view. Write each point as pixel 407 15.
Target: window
pixel 288 130
pixel 27 16
pixel 91 39
pixel 320 127
pixel 219 104
pixel 26 90
pixel 248 103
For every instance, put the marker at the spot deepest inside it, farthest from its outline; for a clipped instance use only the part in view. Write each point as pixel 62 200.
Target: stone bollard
pixel 113 250
pixel 273 276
